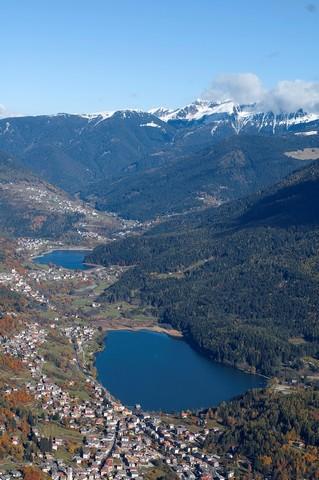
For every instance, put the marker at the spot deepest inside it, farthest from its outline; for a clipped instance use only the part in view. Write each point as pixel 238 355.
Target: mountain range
pixel 227 115
pixel 147 164
pixel 75 151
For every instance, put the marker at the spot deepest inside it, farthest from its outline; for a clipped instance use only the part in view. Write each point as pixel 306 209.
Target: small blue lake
pixel 71 259
pixel 163 373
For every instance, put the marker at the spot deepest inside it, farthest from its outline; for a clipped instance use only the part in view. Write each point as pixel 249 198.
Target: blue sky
pixel 92 55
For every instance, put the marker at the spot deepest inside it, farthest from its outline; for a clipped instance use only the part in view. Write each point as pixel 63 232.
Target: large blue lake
pixel 71 259
pixel 163 373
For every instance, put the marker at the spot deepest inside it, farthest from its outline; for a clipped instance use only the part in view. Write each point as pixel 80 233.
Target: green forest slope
pixel 240 281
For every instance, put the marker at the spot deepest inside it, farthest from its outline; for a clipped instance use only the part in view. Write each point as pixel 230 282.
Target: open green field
pixel 52 429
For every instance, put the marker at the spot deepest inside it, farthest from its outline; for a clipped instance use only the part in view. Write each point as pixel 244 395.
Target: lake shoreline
pixel 89 266
pixel 171 332
pixel 60 249
pixel 206 354
pixel 177 335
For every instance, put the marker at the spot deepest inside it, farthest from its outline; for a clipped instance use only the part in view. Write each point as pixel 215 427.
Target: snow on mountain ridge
pixel 199 109
pixel 219 115
pixel 237 116
pixel 94 116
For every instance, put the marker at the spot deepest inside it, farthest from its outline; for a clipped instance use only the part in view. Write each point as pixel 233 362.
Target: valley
pixel 141 165
pixel 159 240
pixel 67 422
pixel 200 224
pixel 76 422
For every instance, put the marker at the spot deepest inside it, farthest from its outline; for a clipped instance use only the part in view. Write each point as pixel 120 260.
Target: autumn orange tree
pixel 8 449
pixel 19 398
pixel 32 473
pixel 10 362
pixel 8 324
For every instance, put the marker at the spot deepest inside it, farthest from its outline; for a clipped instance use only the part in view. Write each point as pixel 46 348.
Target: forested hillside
pixel 191 178
pixel 71 151
pixel 278 432
pixel 240 281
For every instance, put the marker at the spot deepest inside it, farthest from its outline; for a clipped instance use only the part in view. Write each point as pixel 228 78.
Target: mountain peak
pixel 199 109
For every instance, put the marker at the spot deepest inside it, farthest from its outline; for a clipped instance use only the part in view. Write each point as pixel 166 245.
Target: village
pixel 113 440
pixel 18 283
pixel 118 442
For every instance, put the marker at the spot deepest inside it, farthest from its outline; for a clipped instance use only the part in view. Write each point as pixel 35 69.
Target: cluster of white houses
pixel 116 442
pixel 31 245
pixel 18 283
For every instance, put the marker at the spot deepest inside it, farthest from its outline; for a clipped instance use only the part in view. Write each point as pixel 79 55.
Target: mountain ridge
pixel 199 111
pixel 232 168
pixel 91 154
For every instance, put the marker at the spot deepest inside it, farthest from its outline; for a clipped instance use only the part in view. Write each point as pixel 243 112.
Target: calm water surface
pixel 71 259
pixel 163 373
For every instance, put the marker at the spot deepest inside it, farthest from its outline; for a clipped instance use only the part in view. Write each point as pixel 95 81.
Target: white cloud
pixel 2 110
pixel 289 95
pixel 5 113
pixel 247 88
pixel 240 87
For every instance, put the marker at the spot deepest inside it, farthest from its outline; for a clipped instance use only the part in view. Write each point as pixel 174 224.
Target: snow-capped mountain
pixel 194 111
pixel 229 116
pixel 223 118
pixel 74 151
